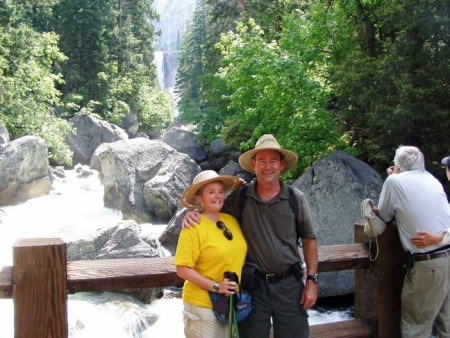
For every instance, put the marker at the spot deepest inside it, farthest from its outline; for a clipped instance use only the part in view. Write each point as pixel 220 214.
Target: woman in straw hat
pixel 205 252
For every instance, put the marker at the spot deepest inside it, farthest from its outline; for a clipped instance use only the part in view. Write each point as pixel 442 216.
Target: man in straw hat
pixel 272 231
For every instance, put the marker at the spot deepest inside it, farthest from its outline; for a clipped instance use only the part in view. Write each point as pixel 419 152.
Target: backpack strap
pixel 242 201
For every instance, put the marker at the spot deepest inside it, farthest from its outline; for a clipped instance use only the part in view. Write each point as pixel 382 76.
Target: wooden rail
pixel 38 266
pixel 119 274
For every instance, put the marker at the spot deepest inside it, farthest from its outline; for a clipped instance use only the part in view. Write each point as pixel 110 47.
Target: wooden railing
pixel 41 278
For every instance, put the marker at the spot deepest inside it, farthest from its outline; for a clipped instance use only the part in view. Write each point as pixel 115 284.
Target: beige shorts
pixel 200 322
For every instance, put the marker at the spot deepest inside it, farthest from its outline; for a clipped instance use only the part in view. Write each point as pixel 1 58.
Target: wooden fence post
pixel 378 289
pixel 40 288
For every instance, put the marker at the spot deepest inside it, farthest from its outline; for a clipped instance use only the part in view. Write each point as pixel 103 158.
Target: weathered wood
pixel 40 288
pixel 343 257
pixel 353 328
pixel 5 282
pixel 118 274
pixel 378 289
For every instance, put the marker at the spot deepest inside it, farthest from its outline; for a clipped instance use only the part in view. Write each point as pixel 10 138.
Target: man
pixel 270 228
pixel 417 201
pixel 427 238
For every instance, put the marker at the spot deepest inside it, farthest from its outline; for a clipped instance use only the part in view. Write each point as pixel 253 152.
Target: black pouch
pixel 297 270
pixel 249 278
pixel 408 260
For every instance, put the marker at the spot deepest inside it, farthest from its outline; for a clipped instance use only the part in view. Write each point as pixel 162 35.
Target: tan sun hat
pixel 268 142
pixel 188 199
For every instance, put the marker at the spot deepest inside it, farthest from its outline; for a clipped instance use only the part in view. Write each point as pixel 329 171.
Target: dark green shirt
pixel 269 228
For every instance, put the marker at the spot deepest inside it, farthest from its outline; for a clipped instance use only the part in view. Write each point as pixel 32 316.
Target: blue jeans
pixel 279 301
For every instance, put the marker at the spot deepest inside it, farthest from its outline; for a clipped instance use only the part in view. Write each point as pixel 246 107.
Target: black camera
pixel 232 276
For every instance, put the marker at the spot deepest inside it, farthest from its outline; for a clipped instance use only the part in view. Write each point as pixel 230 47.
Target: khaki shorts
pixel 200 322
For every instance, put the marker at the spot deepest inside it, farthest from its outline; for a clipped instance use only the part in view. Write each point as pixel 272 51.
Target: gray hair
pixel 409 158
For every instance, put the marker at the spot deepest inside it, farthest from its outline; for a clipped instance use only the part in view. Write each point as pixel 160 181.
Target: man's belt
pixel 276 277
pixel 426 257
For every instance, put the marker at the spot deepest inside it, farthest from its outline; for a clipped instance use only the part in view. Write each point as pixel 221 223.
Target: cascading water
pixel 73 209
pixel 159 63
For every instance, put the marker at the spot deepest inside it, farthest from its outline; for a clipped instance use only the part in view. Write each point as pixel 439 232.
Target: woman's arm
pixel 225 286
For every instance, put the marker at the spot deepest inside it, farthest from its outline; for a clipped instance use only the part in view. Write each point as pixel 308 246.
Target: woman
pixel 205 252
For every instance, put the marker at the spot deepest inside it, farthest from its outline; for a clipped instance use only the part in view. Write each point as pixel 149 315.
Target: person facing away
pixel 417 201
pixel 205 253
pixel 427 238
pixel 272 230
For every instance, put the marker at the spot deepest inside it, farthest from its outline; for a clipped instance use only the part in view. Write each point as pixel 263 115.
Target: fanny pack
pixel 241 301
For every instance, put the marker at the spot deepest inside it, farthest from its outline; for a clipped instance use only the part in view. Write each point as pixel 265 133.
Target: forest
pixel 61 57
pixel 364 76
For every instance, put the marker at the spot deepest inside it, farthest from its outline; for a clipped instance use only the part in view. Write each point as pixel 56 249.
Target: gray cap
pixel 446 161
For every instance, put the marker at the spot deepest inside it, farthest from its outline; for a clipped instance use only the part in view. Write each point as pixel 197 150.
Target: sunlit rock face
pixel 174 14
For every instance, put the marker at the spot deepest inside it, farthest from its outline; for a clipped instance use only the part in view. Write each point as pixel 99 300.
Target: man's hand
pixel 426 238
pixel 309 295
pixel 191 219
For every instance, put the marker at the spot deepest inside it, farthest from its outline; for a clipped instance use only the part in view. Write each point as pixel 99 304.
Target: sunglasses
pixel 226 232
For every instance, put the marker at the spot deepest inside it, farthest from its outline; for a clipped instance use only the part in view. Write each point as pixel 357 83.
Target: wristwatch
pixel 216 287
pixel 314 278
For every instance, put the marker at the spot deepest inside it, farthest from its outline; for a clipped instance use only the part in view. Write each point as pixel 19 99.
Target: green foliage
pixel 190 66
pixel 28 96
pixel 364 76
pixel 109 45
pixel 102 64
pixel 155 111
pixel 274 91
pixel 394 89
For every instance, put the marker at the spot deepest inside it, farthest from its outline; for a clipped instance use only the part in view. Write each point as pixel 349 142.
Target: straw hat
pixel 268 142
pixel 188 199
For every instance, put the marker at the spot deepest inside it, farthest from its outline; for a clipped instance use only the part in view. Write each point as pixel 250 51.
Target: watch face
pixel 314 278
pixel 216 287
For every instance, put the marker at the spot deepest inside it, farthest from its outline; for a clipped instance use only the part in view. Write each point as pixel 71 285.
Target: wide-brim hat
pixel 268 142
pixel 374 225
pixel 188 199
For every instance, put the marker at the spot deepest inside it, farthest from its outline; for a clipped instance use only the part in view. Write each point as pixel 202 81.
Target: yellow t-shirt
pixel 206 250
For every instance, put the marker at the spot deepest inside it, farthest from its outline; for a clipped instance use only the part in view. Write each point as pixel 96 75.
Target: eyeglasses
pixel 226 232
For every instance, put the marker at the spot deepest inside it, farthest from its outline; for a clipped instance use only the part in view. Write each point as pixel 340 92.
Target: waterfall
pixel 174 14
pixel 159 63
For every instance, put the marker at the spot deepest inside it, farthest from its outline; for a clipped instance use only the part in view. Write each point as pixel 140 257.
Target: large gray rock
pixel 186 142
pixel 335 187
pixel 91 132
pixel 24 170
pixel 143 178
pixel 125 240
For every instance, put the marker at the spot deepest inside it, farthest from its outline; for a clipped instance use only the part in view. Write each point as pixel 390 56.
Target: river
pixel 74 207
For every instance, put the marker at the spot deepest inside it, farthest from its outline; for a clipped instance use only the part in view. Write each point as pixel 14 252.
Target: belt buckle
pixel 268 276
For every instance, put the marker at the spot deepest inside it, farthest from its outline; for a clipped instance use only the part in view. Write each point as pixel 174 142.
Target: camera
pixel 232 276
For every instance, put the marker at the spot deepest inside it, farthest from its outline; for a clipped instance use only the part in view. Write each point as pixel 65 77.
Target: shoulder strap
pixel 242 202
pixel 293 203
